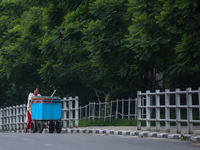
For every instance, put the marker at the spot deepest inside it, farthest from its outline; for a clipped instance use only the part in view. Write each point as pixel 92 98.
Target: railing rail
pixel 112 109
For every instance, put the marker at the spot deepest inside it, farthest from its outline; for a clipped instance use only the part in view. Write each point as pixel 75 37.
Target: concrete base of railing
pixel 139 134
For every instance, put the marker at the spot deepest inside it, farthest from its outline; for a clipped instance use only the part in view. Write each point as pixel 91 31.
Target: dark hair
pixel 34 88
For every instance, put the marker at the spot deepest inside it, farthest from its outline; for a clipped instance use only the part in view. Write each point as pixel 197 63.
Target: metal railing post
pixel 93 111
pixel 14 117
pixel 105 111
pixel 110 110
pixel 10 118
pixel 117 109
pixel 199 100
pixel 122 109
pixel 167 110
pixel 7 118
pixel 64 111
pixel 86 111
pixel 21 116
pixel 129 108
pixel 89 112
pixel 189 111
pixel 148 110
pixel 1 123
pixel 157 111
pixel 99 110
pixel 139 110
pixel 17 116
pixel 76 112
pixel 24 114
pixel 70 113
pixel 178 111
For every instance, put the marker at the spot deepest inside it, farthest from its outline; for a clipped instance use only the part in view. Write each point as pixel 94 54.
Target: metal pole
pixel 99 110
pixel 122 109
pixel 76 112
pixel 199 100
pixel 86 111
pixel 189 111
pixel 7 118
pixel 17 116
pixel 24 114
pixel 129 107
pixel 64 112
pixel 21 116
pixel 93 110
pixel 148 110
pixel 178 111
pixel 157 111
pixel 4 119
pixel 1 120
pixel 117 110
pixel 10 118
pixel 167 110
pixel 89 111
pixel 139 110
pixel 70 113
pixel 14 117
pixel 110 110
pixel 105 112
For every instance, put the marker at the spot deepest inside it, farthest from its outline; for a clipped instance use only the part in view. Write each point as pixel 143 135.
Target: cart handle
pixel 53 93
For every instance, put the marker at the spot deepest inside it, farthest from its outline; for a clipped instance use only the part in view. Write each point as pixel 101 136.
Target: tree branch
pixel 97 96
pixel 88 83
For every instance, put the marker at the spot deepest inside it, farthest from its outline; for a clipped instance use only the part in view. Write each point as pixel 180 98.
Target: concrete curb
pixel 140 134
pixel 134 133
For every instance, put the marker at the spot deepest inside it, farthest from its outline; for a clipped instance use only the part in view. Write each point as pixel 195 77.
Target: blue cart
pixel 46 110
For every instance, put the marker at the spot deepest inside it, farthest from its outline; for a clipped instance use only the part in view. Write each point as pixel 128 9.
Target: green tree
pixel 182 20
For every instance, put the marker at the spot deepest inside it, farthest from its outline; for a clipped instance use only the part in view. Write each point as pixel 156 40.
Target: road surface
pixel 33 141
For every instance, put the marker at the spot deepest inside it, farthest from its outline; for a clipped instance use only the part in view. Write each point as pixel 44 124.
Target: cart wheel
pixel 40 126
pixel 51 127
pixel 33 127
pixel 58 127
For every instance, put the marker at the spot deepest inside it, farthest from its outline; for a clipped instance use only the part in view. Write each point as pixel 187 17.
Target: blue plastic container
pixel 46 108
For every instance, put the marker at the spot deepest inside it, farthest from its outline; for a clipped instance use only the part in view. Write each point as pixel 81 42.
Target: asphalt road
pixel 30 141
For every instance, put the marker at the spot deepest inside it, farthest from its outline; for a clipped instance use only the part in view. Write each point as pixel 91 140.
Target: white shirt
pixel 30 97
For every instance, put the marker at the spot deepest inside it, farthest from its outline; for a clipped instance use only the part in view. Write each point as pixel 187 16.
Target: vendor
pixel 35 92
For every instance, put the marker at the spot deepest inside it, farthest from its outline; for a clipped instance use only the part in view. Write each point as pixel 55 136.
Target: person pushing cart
pixel 35 92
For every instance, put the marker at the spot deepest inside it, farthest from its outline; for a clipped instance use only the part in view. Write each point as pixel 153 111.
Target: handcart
pixel 46 112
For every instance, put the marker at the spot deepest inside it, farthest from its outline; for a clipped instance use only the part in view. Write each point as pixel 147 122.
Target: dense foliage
pixel 99 50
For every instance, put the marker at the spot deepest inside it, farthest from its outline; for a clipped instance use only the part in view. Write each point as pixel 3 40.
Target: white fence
pixel 177 103
pixel 176 107
pixel 70 113
pixel 114 109
pixel 13 118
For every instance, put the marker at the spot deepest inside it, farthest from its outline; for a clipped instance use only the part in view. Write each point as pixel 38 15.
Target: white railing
pixel 110 110
pixel 14 118
pixel 70 113
pixel 188 106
